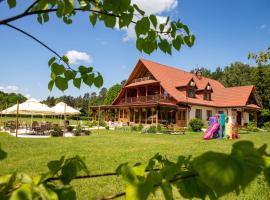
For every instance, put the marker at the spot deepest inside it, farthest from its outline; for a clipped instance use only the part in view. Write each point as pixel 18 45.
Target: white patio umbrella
pixel 64 109
pixel 30 107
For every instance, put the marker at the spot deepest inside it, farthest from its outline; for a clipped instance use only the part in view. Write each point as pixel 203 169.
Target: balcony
pixel 147 99
pixel 142 79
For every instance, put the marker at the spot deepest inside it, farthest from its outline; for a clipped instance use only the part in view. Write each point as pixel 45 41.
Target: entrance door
pixel 181 118
pixel 239 118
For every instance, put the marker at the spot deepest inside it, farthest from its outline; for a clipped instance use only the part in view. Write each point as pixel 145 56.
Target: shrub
pixel 133 127
pixel 78 130
pixel 159 127
pixel 252 127
pixel 94 123
pixel 56 132
pixel 70 128
pixel 102 123
pixel 196 124
pixel 266 125
pixel 107 127
pixel 140 127
pixel 151 129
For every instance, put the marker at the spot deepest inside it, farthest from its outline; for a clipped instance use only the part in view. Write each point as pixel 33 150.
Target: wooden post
pixel 65 112
pixel 140 115
pixel 126 96
pixel 134 116
pixel 146 93
pixel 152 113
pixel 119 115
pixel 137 92
pixel 98 116
pixel 157 118
pixel 17 118
pixel 146 116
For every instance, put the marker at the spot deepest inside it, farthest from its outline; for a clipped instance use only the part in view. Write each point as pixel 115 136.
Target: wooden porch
pixel 143 114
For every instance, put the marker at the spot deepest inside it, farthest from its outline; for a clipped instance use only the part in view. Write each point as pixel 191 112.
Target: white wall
pixel 192 112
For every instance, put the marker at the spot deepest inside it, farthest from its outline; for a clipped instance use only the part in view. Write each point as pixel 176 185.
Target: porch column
pixel 128 115
pixel 140 116
pixel 119 110
pixel 137 92
pixel 152 113
pixel 146 93
pixel 134 115
pixel 146 116
pixel 156 117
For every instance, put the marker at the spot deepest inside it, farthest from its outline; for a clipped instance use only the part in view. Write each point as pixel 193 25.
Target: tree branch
pixel 31 6
pixel 171 181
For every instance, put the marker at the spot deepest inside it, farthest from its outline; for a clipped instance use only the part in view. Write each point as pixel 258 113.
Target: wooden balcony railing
pixel 142 79
pixel 147 99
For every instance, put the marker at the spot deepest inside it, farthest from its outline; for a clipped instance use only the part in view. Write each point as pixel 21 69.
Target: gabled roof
pixel 171 78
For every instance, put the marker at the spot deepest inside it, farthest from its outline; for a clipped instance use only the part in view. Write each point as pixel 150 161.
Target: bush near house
pixel 266 125
pixel 252 127
pixel 196 124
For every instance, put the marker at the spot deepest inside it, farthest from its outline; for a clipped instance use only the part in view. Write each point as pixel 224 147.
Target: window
pixel 207 96
pixel 191 93
pixel 208 114
pixel 198 113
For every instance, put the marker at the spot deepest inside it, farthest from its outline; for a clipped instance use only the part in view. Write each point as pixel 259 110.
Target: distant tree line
pixel 239 74
pixel 103 97
pixel 9 99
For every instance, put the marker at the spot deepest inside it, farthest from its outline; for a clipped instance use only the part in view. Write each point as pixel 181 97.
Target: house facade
pixel 155 93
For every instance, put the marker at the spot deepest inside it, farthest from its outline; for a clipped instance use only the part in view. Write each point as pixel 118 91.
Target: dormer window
pixel 192 83
pixel 207 95
pixel 191 92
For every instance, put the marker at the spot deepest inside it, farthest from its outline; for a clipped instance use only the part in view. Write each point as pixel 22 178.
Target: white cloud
pixel 263 26
pixel 156 6
pixel 150 7
pixel 77 56
pixel 9 89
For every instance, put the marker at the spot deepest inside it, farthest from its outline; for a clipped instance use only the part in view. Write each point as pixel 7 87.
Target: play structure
pixel 221 127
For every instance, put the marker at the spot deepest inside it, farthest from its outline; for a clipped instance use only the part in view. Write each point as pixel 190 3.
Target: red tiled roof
pixel 171 78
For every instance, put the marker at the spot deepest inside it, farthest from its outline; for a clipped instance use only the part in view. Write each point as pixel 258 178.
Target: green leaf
pixel 61 83
pixel 109 21
pixel 50 85
pixel 51 61
pixel 164 46
pixel 98 81
pixel 55 165
pixel 142 26
pixel 57 69
pixel 189 40
pixel 139 44
pixel 22 193
pixel 125 19
pixel 177 42
pixel 3 154
pixel 46 17
pixel 194 188
pixel 39 18
pixel 83 70
pixel 138 9
pixel 65 59
pixel 161 27
pixel 153 19
pixel 88 79
pixel 219 171
pixel 69 172
pixel 11 3
pixel 93 18
pixel 69 74
pixel 77 82
pixel 167 190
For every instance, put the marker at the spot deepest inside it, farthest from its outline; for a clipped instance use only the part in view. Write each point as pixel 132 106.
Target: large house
pixel 156 93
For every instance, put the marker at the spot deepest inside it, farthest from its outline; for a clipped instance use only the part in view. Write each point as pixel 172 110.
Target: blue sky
pixel 225 30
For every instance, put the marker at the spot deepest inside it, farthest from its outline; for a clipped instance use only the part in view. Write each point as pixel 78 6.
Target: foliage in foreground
pixel 209 175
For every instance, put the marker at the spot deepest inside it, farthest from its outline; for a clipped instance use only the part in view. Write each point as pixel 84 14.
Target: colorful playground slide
pixel 211 131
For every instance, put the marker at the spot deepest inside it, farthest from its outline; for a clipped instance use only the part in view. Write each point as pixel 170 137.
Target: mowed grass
pixel 105 150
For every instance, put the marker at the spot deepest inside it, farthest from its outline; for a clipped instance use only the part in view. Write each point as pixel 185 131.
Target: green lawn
pixel 105 150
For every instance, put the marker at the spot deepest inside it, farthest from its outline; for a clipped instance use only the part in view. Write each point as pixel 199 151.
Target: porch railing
pixel 142 79
pixel 147 99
